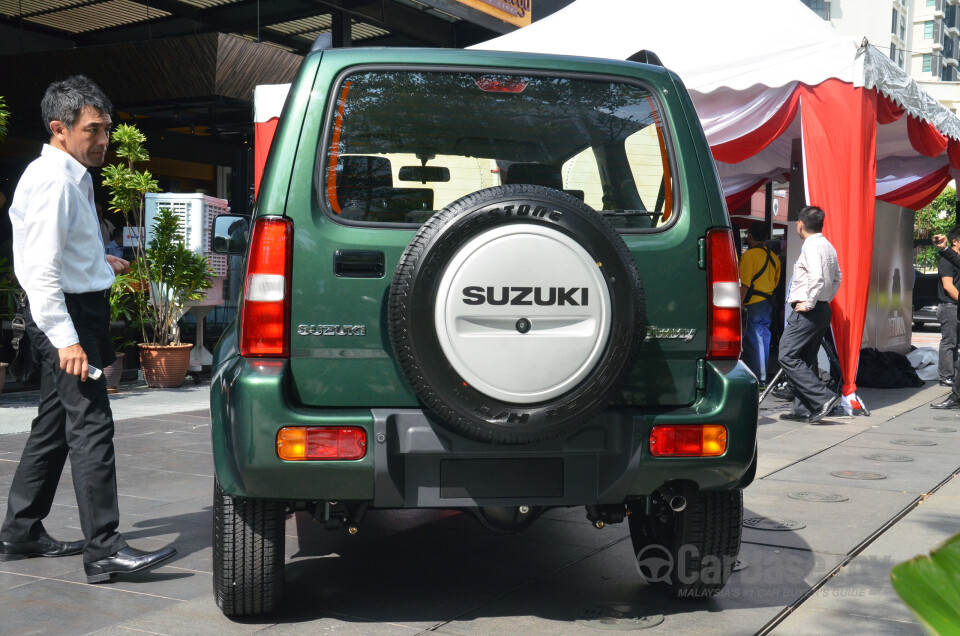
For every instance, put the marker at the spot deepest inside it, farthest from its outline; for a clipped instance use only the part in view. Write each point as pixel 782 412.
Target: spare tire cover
pixel 516 312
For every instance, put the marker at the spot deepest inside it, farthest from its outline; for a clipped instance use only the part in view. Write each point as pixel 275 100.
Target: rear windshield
pixel 402 144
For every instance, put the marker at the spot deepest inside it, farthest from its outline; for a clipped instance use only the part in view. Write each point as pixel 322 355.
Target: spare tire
pixel 515 313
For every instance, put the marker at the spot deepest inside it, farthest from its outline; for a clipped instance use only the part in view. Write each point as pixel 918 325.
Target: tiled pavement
pixel 408 572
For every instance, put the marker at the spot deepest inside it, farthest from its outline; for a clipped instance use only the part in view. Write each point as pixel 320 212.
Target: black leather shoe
pixel 947 382
pixel 950 403
pixel 794 417
pixel 45 546
pixel 823 411
pixel 125 561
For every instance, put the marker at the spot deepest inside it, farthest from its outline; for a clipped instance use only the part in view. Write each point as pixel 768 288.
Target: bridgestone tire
pixel 690 554
pixel 248 554
pixel 540 217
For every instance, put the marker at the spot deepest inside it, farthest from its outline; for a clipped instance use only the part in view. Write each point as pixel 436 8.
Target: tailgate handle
pixel 358 264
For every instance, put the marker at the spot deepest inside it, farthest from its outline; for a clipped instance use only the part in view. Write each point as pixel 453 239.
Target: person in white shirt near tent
pixel 816 279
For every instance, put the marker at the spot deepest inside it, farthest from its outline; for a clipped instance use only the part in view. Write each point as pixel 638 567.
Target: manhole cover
pixel 888 457
pixel 771 523
pixel 913 442
pixel 936 429
pixel 620 617
pixel 740 565
pixel 817 496
pixel 946 418
pixel 857 474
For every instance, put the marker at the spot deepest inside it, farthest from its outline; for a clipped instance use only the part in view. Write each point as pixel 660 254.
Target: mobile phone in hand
pixel 93 372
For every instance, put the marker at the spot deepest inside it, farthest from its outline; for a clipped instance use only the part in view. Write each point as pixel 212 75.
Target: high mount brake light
pixel 500 84
pixel 265 322
pixel 723 296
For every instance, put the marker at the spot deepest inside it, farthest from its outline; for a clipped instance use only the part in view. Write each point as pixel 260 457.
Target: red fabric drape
pixel 953 153
pixel 737 150
pixel 262 138
pixel 920 192
pixel 924 138
pixel 840 152
pixel 738 199
pixel 888 111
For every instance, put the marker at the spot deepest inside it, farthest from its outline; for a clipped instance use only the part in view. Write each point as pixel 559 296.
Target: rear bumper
pixel 412 462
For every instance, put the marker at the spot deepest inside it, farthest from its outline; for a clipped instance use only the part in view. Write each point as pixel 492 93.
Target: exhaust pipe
pixel 675 500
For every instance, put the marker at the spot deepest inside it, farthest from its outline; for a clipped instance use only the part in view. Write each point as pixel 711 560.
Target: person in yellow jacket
pixel 759 275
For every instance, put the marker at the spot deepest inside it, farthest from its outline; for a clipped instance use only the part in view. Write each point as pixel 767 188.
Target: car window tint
pixel 402 144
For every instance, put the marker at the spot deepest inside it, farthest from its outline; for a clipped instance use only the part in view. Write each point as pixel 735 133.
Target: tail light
pixel 723 296
pixel 688 440
pixel 265 321
pixel 298 443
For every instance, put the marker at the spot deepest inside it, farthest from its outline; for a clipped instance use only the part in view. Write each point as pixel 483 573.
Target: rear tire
pixel 689 554
pixel 248 553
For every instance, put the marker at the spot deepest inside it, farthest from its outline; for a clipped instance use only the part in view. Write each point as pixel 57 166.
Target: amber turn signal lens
pixel 688 440
pixel 298 443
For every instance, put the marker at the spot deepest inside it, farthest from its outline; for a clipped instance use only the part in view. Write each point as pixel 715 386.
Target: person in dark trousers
pixel 816 279
pixel 948 276
pixel 60 262
pixel 759 275
pixel 947 253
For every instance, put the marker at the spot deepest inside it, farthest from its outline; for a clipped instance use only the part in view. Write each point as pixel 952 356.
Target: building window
pixel 893 25
pixel 893 52
pixel 820 7
pixel 931 3
pixel 927 59
pixel 928 30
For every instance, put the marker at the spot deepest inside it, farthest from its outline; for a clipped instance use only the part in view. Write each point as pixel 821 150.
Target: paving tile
pixel 199 617
pixel 818 622
pixel 918 476
pixel 166 580
pixel 830 527
pixel 9 580
pixel 774 577
pixel 944 444
pixel 57 607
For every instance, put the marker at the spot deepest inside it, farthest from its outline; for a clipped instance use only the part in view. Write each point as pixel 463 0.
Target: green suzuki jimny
pixel 486 281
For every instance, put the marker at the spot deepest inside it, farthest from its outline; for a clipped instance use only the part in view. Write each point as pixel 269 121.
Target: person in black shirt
pixel 948 276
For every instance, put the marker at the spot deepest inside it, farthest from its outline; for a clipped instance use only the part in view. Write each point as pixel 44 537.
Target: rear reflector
pixel 723 290
pixel 265 317
pixel 688 440
pixel 500 84
pixel 297 443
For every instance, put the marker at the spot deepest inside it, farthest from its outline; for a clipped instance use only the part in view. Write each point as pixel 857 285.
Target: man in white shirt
pixel 60 262
pixel 816 279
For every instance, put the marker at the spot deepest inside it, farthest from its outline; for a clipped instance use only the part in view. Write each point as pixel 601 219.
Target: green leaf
pixel 4 117
pixel 930 587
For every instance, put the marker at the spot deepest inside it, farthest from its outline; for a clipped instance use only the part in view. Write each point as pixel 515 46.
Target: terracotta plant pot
pixel 3 374
pixel 164 367
pixel 113 372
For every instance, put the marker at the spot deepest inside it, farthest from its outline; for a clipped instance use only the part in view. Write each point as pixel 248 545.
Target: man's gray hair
pixel 65 99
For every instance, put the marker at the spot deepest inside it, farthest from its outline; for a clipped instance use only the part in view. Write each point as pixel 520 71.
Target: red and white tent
pixel 763 73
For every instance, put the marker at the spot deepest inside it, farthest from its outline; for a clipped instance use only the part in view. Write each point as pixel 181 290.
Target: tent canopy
pixel 767 74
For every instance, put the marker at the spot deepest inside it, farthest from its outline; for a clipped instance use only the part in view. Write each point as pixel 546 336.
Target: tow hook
pixel 600 516
pixel 333 515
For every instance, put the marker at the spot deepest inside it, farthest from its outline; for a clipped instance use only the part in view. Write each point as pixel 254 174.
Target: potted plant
pixel 175 274
pixel 169 273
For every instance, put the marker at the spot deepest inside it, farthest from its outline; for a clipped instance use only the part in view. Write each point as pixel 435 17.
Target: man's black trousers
pixel 74 419
pixel 799 345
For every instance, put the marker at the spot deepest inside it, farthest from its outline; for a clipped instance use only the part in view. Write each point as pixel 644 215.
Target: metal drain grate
pixel 888 457
pixel 771 523
pixel 857 474
pixel 621 617
pixel 818 496
pixel 913 442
